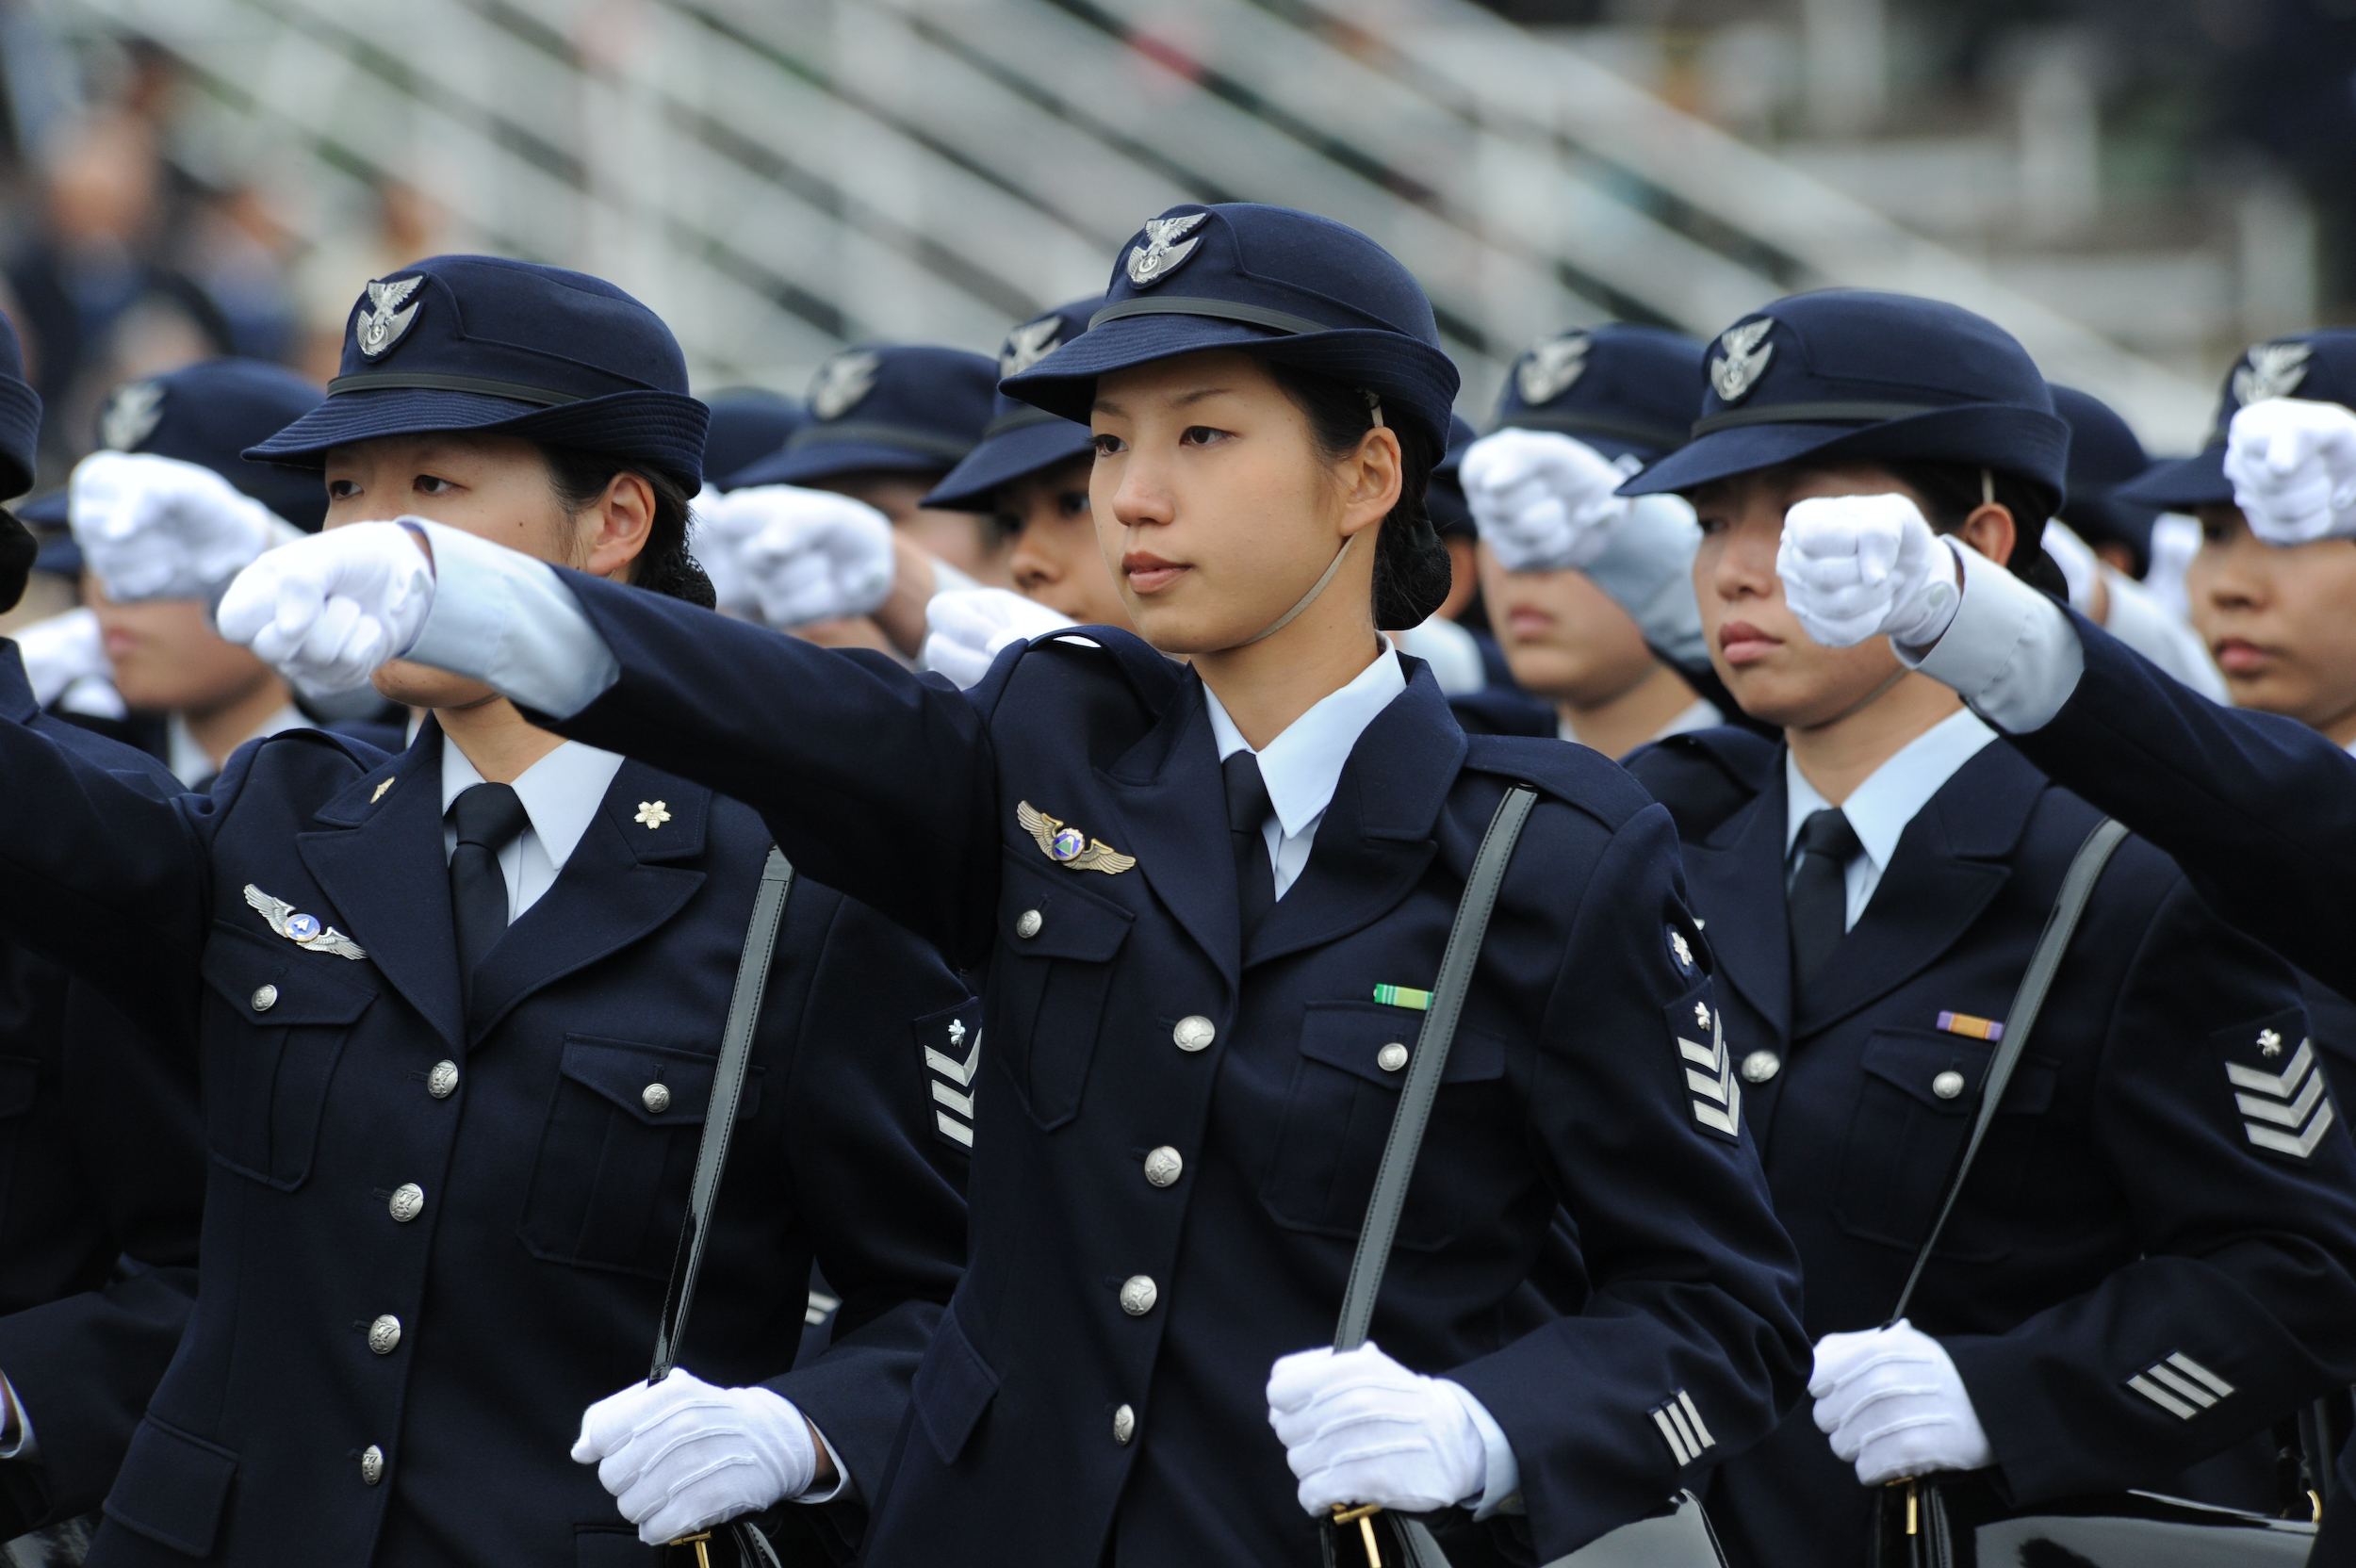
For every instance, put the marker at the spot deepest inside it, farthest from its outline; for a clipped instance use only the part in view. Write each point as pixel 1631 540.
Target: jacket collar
pixel 16 689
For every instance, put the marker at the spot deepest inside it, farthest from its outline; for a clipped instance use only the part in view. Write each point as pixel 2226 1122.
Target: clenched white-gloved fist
pixel 2081 568
pixel 1359 1428
pixel 62 650
pixel 809 555
pixel 681 1455
pixel 716 537
pixel 1860 567
pixel 327 610
pixel 157 527
pixel 967 628
pixel 1893 1405
pixel 1543 501
pixel 2293 464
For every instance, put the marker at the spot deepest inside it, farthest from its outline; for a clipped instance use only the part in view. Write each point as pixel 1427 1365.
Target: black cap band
pixel 848 431
pixel 1818 414
pixel 1224 310
pixel 429 381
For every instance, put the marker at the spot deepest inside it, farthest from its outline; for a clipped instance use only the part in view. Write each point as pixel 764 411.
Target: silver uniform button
pixel 1759 1066
pixel 264 997
pixel 384 1334
pixel 1194 1033
pixel 1391 1057
pixel 1026 924
pixel 1138 1296
pixel 371 1464
pixel 1163 1165
pixel 656 1098
pixel 443 1081
pixel 1947 1085
pixel 408 1202
pixel 1124 1425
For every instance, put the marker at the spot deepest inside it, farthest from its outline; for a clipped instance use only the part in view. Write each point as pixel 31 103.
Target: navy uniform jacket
pixel 2120 1211
pixel 1126 1016
pixel 102 1179
pixel 375 1375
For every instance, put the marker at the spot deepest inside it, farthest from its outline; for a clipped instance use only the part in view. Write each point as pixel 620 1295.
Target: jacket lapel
pixel 382 864
pixel 612 891
pixel 1375 839
pixel 1736 878
pixel 1950 863
pixel 1171 801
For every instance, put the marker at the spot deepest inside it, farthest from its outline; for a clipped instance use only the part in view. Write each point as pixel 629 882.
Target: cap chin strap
pixel 1987 487
pixel 1374 410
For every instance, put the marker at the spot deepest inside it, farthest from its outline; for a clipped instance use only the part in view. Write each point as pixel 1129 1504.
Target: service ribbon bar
pixel 1404 996
pixel 1978 1028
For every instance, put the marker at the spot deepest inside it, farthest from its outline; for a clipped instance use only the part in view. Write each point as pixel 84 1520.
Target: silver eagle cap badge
pixel 381 328
pixel 1068 846
pixel 843 380
pixel 1744 360
pixel 132 416
pixel 2275 371
pixel 1550 366
pixel 1028 344
pixel 304 931
pixel 1162 254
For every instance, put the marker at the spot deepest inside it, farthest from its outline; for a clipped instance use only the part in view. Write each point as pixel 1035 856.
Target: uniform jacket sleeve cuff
pixel 1503 1491
pixel 501 615
pixel 2011 652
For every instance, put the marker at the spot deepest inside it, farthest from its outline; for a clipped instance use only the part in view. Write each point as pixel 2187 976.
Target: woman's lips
pixel 1744 644
pixel 1149 574
pixel 2236 657
pixel 1525 624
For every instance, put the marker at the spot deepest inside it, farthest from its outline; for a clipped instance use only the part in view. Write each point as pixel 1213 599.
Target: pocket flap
pixel 1073 922
pixel 1914 1061
pixel 627 1073
pixel 20 1080
pixel 1356 1038
pixel 954 1385
pixel 172 1488
pixel 307 987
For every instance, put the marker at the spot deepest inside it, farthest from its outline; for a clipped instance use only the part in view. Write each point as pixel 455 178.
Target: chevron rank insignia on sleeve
pixel 2277 1089
pixel 952 1045
pixel 1698 1031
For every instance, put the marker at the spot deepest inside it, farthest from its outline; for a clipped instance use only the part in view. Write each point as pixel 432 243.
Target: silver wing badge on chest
pixel 1068 846
pixel 302 930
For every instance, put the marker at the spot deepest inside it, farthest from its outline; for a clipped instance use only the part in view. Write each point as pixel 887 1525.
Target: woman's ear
pixel 613 531
pixel 1992 532
pixel 1373 478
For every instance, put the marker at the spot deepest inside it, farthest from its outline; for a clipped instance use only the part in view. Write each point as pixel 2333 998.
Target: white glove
pixel 681 1455
pixel 2080 567
pixel 808 555
pixel 1860 567
pixel 2293 464
pixel 1359 1428
pixel 967 628
pixel 157 527
pixel 1893 1405
pixel 1543 501
pixel 62 650
pixel 327 610
pixel 716 535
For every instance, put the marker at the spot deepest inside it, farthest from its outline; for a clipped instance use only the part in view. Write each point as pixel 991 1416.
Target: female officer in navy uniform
pixel 2142 1272
pixel 1195 886
pixel 456 1014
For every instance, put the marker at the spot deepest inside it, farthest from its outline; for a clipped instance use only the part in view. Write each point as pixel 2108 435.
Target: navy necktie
pixel 1247 812
pixel 1819 895
pixel 488 817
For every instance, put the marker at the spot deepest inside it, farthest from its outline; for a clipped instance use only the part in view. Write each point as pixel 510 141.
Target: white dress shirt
pixel 561 793
pixel 1879 808
pixel 193 766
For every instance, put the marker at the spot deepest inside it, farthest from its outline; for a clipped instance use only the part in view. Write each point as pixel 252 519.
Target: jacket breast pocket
pixel 608 1189
pixel 1917 1100
pixel 275 1025
pixel 1338 1116
pixel 1055 969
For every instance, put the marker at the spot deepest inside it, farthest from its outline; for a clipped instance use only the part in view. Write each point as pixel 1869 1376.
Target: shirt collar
pixel 561 792
pixel 1302 766
pixel 1880 808
pixel 192 765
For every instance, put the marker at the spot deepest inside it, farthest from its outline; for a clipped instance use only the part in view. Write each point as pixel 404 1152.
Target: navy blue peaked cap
pixel 896 407
pixel 480 343
pixel 20 418
pixel 2103 456
pixel 1445 500
pixel 747 424
pixel 1021 439
pixel 1284 285
pixel 2319 366
pixel 1848 373
pixel 1626 390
